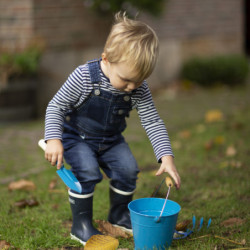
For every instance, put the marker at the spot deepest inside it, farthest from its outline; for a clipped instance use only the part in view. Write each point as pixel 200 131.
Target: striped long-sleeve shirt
pixel 77 89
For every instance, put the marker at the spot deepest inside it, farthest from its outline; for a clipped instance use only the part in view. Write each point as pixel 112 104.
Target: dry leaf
pixel 219 140
pixel 4 245
pixel 243 242
pixel 209 145
pixel 26 202
pixel 53 184
pixel 231 151
pixel 232 222
pixel 55 206
pixel 185 134
pixel 107 228
pixel 182 226
pixel 213 116
pixel 22 185
pixel 238 125
pixel 101 242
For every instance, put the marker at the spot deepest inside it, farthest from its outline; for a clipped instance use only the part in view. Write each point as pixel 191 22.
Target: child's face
pixel 121 75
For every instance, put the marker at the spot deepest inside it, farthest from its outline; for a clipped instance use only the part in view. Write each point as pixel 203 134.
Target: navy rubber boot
pixel 119 215
pixel 82 213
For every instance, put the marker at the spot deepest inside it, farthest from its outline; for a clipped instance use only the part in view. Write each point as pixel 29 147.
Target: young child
pixel 85 120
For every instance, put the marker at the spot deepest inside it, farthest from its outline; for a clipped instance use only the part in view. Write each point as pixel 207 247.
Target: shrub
pixel 19 64
pixel 130 6
pixel 23 63
pixel 226 69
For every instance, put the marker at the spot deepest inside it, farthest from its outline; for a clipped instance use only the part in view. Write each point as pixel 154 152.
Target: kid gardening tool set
pixel 153 219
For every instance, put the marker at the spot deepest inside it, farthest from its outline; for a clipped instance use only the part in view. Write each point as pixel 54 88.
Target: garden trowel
pixel 66 175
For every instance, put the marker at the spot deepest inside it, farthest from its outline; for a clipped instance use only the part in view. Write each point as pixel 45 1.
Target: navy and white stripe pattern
pixel 76 90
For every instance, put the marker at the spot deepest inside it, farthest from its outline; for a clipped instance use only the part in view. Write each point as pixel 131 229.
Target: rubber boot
pixel 82 213
pixel 119 215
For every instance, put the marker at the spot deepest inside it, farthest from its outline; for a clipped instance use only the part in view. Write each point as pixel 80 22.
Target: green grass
pixel 215 184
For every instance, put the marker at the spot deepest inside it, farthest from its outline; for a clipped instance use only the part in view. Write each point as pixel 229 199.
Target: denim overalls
pixel 92 138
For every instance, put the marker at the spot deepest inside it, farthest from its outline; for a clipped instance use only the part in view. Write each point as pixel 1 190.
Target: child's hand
pixel 54 152
pixel 168 166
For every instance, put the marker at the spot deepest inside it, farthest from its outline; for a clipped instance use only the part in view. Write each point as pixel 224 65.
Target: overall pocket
pixel 119 114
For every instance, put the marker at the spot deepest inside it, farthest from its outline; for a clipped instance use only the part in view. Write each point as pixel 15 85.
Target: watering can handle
pixel 169 182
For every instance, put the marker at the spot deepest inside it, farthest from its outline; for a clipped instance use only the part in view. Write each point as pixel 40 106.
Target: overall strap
pixel 94 71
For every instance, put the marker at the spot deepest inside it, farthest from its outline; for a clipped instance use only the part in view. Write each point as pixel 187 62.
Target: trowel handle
pixel 42 144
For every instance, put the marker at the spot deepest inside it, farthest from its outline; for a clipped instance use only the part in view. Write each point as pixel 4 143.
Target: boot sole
pixel 73 237
pixel 126 230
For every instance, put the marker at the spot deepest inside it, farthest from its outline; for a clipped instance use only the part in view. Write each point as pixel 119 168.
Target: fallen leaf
pixel 182 226
pixel 231 151
pixel 216 141
pixel 214 115
pixel 243 242
pixel 209 145
pixel 53 184
pixel 232 222
pixel 238 125
pixel 185 134
pixel 55 206
pixel 26 202
pixel 101 242
pixel 219 140
pixel 107 228
pixel 4 245
pixel 21 185
pixel 20 204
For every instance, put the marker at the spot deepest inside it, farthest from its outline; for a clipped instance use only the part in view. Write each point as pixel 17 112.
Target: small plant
pixel 109 7
pixel 19 64
pixel 226 69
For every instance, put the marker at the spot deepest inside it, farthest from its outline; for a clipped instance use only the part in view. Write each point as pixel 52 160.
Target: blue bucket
pixel 147 232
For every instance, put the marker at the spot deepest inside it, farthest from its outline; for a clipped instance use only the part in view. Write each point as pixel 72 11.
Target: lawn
pixel 210 135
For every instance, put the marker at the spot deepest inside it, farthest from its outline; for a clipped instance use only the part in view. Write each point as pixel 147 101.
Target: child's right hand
pixel 54 152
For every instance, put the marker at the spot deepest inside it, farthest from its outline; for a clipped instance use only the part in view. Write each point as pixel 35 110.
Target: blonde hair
pixel 134 42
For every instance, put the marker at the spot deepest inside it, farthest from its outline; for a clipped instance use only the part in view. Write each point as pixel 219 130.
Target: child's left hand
pixel 168 166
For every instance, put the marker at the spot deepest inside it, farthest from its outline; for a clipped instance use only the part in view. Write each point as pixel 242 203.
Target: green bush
pixel 21 63
pixel 226 69
pixel 27 62
pixel 130 6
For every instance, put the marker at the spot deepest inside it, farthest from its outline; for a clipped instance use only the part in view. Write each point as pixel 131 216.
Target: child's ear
pixel 104 58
